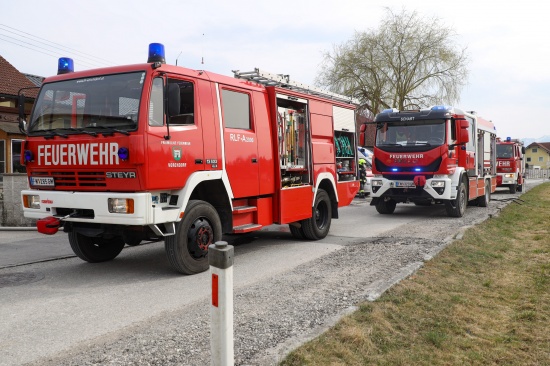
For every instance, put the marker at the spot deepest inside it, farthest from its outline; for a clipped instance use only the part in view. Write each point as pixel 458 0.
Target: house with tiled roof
pixel 537 155
pixel 11 83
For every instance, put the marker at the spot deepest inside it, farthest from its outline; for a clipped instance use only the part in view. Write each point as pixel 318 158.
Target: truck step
pixel 246 228
pixel 244 209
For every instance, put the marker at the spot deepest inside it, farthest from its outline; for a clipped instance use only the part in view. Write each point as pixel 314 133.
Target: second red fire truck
pixel 510 164
pixel 436 155
pixel 119 155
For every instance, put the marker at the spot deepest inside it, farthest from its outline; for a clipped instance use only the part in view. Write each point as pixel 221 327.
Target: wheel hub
pixel 200 237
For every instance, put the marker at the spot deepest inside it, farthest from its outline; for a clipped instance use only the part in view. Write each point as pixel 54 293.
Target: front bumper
pixel 504 179
pixel 437 188
pixel 92 207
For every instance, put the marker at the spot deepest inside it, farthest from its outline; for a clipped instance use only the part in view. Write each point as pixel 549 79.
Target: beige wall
pixel 532 157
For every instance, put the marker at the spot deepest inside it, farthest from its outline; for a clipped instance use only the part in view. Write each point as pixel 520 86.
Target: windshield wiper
pixel 51 133
pixel 82 130
pixel 389 144
pixel 110 131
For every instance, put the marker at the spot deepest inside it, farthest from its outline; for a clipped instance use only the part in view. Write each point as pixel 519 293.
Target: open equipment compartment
pixel 292 131
pixel 344 143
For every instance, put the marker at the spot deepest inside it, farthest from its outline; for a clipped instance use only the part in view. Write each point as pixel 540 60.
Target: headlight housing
pixel 31 201
pixel 121 205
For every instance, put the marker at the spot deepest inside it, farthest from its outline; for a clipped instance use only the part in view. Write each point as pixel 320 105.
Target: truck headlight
pixel 508 175
pixel 438 186
pixel 375 185
pixel 31 201
pixel 121 205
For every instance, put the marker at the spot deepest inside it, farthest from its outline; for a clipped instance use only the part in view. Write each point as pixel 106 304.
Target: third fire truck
pixel 153 151
pixel 510 164
pixel 436 155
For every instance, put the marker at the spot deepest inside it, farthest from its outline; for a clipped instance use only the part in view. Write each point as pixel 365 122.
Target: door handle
pixel 254 160
pixel 198 161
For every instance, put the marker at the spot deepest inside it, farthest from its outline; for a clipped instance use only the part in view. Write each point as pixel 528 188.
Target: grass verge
pixel 484 300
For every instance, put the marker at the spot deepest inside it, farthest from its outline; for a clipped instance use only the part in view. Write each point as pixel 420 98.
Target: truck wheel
pixel 457 207
pixel 187 249
pixel 483 201
pixel 318 225
pixel 297 232
pixel 513 188
pixel 95 250
pixel 132 238
pixel 386 207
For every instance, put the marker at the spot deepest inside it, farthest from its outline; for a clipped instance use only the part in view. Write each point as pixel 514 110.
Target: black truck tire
pixel 385 207
pixel 297 232
pixel 457 207
pixel 187 249
pixel 95 250
pixel 483 201
pixel 318 225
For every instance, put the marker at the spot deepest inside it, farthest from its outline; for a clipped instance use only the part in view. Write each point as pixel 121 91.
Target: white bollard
pixel 220 258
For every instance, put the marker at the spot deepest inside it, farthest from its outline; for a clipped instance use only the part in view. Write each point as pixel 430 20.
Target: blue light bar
pixel 65 65
pixel 417 169
pixel 394 169
pixel 441 108
pixel 390 110
pixel 156 53
pixel 508 139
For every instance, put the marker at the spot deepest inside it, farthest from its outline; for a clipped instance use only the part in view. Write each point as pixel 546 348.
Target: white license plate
pixel 404 184
pixel 42 181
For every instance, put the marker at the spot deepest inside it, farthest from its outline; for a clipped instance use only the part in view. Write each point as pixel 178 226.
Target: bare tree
pixel 408 62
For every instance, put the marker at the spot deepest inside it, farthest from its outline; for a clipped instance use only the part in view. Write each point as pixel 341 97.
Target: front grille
pixel 432 167
pixel 73 180
pixel 75 212
pixel 406 176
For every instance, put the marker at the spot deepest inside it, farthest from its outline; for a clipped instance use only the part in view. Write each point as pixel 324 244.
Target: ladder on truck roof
pixel 283 81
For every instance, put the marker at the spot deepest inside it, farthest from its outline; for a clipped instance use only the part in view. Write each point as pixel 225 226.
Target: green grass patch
pixel 484 300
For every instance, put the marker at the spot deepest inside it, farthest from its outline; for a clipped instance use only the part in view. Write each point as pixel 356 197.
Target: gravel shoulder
pixel 274 316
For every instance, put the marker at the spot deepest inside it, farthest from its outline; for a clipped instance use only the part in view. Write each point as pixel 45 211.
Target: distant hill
pixel 527 141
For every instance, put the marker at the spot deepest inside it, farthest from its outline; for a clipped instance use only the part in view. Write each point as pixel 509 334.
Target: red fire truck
pixel 153 151
pixel 510 164
pixel 430 156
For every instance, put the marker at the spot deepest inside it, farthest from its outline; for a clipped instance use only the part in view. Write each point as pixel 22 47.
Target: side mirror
pixel 173 100
pixel 22 122
pixel 462 131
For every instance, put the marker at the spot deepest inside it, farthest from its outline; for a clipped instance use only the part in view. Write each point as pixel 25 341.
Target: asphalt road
pixel 136 310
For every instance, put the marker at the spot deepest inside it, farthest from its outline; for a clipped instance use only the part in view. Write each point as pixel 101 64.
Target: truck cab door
pixel 240 142
pixel 172 160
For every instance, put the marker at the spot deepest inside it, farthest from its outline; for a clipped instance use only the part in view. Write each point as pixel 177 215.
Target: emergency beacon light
pixel 65 65
pixel 156 53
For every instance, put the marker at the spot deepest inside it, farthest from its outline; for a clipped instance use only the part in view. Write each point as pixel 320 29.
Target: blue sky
pixel 507 42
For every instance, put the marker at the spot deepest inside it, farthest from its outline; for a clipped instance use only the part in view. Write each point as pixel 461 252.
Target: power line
pixel 38 43
pixel 39 50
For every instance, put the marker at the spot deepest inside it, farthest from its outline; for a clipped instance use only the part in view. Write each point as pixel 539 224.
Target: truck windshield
pixel 504 151
pixel 418 133
pixel 101 104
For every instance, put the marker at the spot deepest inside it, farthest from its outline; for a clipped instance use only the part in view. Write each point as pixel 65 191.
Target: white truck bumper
pixel 508 178
pixel 439 188
pixel 58 203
